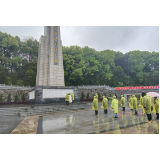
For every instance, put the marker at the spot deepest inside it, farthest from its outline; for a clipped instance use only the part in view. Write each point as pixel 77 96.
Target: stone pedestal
pixel 54 94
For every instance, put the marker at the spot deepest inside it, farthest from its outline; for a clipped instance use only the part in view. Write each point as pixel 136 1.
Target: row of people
pixel 69 98
pixel 114 105
pixel 147 104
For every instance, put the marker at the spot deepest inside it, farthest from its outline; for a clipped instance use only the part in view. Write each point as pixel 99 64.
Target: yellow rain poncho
pixel 141 104
pixel 135 103
pixel 114 104
pixel 104 103
pixel 95 104
pixel 67 97
pixel 122 101
pixel 131 102
pixel 157 106
pixel 147 104
pixel 72 95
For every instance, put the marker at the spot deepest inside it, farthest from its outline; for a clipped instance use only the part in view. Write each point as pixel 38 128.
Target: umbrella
pixel 153 94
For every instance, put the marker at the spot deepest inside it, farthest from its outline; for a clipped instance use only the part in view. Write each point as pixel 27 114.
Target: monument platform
pixel 52 94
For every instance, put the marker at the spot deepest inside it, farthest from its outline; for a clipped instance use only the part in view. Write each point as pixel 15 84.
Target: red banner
pixel 139 87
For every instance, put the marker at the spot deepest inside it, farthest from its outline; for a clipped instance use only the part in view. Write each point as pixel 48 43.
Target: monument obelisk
pixel 50 84
pixel 50 71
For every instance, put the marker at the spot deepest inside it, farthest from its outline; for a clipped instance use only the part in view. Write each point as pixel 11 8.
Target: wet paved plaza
pixel 81 122
pixel 84 122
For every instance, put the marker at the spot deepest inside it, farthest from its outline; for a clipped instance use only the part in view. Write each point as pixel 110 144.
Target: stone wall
pixel 13 92
pixel 102 91
pixel 110 93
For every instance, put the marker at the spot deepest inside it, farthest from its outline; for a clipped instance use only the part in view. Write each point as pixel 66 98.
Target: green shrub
pixel 82 95
pixel 16 98
pixel 23 97
pixel 1 97
pixel 9 97
pixel 88 95
pixel 99 96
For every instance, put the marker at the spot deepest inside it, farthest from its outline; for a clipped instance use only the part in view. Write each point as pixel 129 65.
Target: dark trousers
pixel 123 108
pixel 67 102
pixel 157 115
pixel 149 117
pixel 105 111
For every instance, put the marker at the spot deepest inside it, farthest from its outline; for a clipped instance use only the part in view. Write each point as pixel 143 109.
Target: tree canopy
pixel 82 65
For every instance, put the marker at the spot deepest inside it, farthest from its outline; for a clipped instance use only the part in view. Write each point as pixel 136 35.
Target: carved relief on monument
pixel 55 46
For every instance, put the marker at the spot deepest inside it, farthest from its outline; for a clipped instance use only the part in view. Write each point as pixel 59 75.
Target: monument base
pixel 52 94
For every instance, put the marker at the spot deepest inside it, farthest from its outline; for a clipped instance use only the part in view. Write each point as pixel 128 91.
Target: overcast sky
pixel 117 38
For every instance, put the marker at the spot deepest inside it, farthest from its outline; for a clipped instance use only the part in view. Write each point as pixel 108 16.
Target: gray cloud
pixel 118 38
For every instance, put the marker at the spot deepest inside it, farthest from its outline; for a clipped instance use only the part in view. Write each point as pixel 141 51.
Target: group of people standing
pixel 114 104
pixel 69 98
pixel 147 103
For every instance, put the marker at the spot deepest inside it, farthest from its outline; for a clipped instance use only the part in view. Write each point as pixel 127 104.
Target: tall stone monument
pixel 50 71
pixel 50 84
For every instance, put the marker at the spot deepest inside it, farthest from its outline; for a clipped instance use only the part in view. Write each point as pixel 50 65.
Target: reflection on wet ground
pixel 83 122
pixel 8 123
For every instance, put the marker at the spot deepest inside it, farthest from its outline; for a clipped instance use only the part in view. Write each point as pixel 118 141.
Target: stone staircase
pixel 43 109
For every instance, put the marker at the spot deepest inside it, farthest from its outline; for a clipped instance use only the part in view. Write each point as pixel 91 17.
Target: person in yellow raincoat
pixel 135 105
pixel 114 106
pixel 67 98
pixel 105 104
pixel 156 103
pixel 147 106
pixel 95 105
pixel 122 102
pixel 96 95
pixel 72 95
pixel 141 104
pixel 131 102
